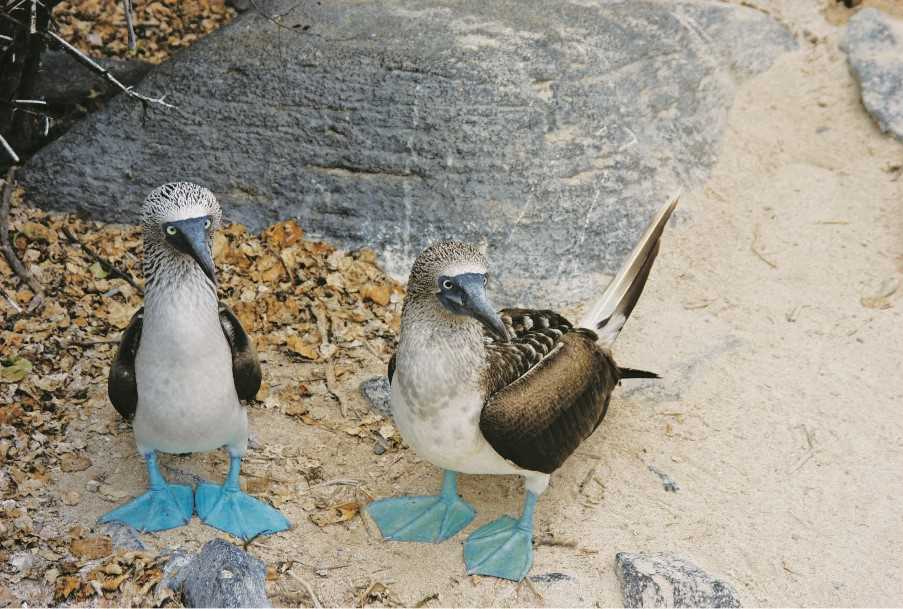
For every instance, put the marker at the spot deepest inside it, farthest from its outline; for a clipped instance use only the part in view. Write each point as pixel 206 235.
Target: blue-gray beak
pixel 465 294
pixel 190 237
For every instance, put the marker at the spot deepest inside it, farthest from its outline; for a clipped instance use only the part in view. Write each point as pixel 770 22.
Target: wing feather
pixel 548 389
pixel 122 386
pixel 245 364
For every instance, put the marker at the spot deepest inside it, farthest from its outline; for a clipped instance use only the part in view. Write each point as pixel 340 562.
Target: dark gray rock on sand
pixel 221 575
pixel 378 394
pixel 665 580
pixel 874 46
pixel 548 132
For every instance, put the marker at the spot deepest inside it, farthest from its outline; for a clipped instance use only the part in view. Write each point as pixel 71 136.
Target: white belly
pixel 446 432
pixel 186 393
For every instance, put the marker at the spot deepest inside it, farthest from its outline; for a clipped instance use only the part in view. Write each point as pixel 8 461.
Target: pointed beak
pixel 477 305
pixel 191 239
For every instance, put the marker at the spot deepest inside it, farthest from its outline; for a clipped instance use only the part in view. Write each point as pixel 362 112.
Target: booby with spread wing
pixel 184 363
pixel 511 392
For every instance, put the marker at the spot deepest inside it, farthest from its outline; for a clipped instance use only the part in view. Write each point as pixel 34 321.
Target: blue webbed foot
pixel 228 509
pixel 164 506
pixel 504 547
pixel 429 519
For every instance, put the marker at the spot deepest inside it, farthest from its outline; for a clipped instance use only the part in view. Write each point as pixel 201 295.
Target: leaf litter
pixel 325 312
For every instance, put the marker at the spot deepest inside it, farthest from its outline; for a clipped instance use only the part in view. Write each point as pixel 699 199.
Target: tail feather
pixel 636 373
pixel 607 315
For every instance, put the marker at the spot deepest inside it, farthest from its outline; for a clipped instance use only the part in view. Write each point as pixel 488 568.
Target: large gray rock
pixel 547 131
pixel 874 45
pixel 221 575
pixel 665 580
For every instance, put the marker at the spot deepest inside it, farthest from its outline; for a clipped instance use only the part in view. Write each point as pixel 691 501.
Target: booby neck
pixel 436 347
pixel 172 278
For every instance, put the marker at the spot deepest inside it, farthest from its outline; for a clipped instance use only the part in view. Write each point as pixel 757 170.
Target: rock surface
pixel 378 394
pixel 547 132
pixel 62 80
pixel 221 575
pixel 665 580
pixel 874 46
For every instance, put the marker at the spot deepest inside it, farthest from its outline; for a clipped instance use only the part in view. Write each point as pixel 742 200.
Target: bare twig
pixel 426 599
pixel 308 589
pixel 7 247
pixel 127 7
pixel 96 67
pixel 9 149
pixel 330 384
pixel 340 481
pixel 755 249
pixel 106 265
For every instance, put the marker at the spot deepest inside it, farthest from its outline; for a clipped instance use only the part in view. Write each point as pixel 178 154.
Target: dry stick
pixel 95 67
pixel 755 250
pixel 127 7
pixel 7 248
pixel 106 265
pixel 308 588
pixel 9 149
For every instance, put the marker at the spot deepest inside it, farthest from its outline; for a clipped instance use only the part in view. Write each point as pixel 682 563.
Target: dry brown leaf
pixel 91 548
pixel 74 462
pixel 336 514
pixel 65 586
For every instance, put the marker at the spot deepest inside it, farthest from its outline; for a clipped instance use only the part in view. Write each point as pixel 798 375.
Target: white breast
pixel 186 392
pixel 436 404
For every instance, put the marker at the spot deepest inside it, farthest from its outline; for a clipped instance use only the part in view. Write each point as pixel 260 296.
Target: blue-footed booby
pixel 477 391
pixel 183 364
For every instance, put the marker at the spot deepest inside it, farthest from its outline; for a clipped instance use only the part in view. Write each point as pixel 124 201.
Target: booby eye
pixel 485 280
pixel 207 223
pixel 447 285
pixel 171 230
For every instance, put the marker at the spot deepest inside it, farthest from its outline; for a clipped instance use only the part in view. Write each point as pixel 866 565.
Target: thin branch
pixel 9 149
pixel 7 247
pixel 96 67
pixel 127 7
pixel 105 264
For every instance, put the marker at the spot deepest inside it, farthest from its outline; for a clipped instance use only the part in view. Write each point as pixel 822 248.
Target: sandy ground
pixel 778 414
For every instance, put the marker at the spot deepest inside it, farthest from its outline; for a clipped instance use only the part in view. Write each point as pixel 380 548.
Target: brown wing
pixel 121 384
pixel 534 335
pixel 548 390
pixel 245 365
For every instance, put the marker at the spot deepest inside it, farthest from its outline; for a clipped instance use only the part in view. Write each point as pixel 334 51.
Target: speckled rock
pixel 221 575
pixel 547 132
pixel 874 45
pixel 665 580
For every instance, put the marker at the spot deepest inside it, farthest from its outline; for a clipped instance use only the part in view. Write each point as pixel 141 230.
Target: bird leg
pixel 430 518
pixel 163 506
pixel 228 509
pixel 504 547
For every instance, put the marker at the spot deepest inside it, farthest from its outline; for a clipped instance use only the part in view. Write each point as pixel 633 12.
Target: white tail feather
pixel 607 315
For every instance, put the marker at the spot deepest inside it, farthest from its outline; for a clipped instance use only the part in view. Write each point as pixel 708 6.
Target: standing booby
pixel 513 392
pixel 183 364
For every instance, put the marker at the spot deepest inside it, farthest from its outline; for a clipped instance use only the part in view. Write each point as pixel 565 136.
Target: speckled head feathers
pixel 448 258
pixel 178 201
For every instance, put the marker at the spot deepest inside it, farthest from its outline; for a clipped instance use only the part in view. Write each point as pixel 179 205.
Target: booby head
pixel 179 218
pixel 454 276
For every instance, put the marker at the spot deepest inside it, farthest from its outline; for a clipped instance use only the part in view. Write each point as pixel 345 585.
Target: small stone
pixel 666 580
pixel 378 394
pixel 123 536
pixel 93 486
pixel 874 46
pixel 221 575
pixel 71 498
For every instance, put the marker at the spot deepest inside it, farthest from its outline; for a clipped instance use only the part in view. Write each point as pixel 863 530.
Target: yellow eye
pixel 170 230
